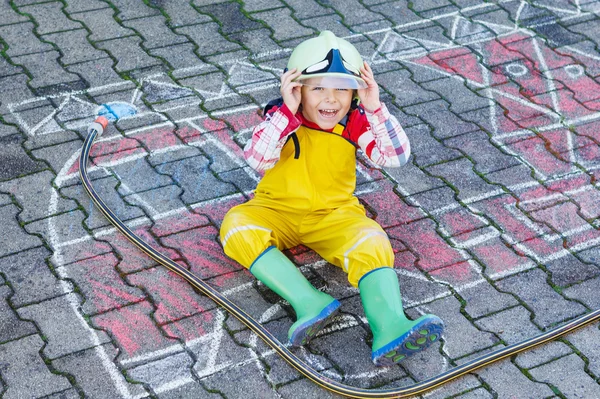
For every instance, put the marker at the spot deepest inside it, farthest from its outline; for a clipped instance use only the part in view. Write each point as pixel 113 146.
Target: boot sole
pixel 306 331
pixel 420 337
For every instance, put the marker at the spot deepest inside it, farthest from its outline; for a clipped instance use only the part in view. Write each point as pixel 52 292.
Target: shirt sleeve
pixel 382 138
pixel 263 149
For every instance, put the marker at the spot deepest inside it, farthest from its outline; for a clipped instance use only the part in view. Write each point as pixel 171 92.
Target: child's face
pixel 325 106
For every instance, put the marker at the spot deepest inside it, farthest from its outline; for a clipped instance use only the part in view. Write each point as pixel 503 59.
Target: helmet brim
pixel 333 81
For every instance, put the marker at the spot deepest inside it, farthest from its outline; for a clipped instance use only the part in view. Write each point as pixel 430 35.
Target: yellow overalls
pixel 310 201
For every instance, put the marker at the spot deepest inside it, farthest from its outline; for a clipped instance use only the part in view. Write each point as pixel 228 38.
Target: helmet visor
pixel 333 81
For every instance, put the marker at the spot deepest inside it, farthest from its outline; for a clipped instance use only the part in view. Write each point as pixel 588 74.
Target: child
pixel 307 145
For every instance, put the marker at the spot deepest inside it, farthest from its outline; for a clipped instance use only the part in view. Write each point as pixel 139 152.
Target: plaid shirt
pixel 378 134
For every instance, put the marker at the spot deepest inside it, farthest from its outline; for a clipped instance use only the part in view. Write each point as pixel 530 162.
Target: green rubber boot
pixel 313 308
pixel 394 336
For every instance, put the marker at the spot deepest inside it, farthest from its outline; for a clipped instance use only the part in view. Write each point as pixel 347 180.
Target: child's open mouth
pixel 328 113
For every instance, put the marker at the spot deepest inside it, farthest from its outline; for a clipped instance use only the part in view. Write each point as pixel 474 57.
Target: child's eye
pixel 317 88
pixel 342 89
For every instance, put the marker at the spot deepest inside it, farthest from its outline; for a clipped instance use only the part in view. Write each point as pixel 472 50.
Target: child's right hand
pixel 290 91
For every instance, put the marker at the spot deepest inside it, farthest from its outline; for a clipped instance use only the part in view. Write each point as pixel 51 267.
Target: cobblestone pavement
pixel 495 221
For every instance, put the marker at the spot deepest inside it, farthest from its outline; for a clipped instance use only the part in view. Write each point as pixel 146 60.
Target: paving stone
pixel 305 389
pixel 6 69
pixel 568 375
pixel 584 292
pixel 68 394
pixel 174 299
pixel 257 41
pixel 460 175
pixel 425 149
pixel 13 160
pixel 181 14
pixel 196 179
pixel 281 21
pixel 463 384
pixel 102 24
pixel 100 284
pixel 8 15
pixel 511 325
pixel 178 56
pixel 586 341
pixel 24 372
pixel 21 40
pixel 92 375
pixel 569 270
pixel 14 87
pixel 404 90
pixel 65 330
pixel 198 35
pixel 444 123
pixel 49 17
pixel 154 32
pixel 308 9
pixel 163 371
pixel 460 336
pixel 129 54
pixel 412 180
pixel 131 9
pixel 34 193
pixel 85 5
pixel 139 176
pixel 47 71
pixel 515 175
pixel 548 306
pixel 75 46
pixel 97 72
pixel 477 146
pixel 30 276
pixel 397 11
pixel 222 383
pixel 434 201
pixel 157 201
pixel 11 327
pixel 14 238
pixel 60 229
pixel 230 17
pixel 461 98
pixel 507 380
pixel 484 299
pixel 189 391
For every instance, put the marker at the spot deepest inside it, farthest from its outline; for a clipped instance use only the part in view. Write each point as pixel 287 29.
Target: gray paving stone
pixel 15 88
pixel 426 150
pixel 196 179
pixel 162 371
pixel 140 176
pixel 30 276
pixel 585 292
pixel 65 330
pixel 507 381
pixel 131 9
pixel 548 306
pixel 477 146
pixel 512 325
pixel 569 270
pixel 47 71
pixel 586 341
pixel 179 56
pixel 34 193
pixel 49 17
pixel 230 17
pixel 354 13
pixel 432 200
pixel 181 14
pixel 13 160
pixel 281 21
pixel 21 40
pixel 92 376
pixel 102 24
pixel 129 54
pixel 14 239
pixel 463 384
pixel 404 90
pixel 484 299
pixel 412 180
pixel 515 175
pixel 11 327
pixel 460 336
pixel 5 199
pixel 60 229
pixel 67 394
pixel 397 11
pixel 542 354
pixel 154 32
pixel 85 5
pixel 189 391
pixel 307 9
pixel 568 375
pixel 305 389
pixel 460 175
pixel 222 383
pixel 96 72
pixel 75 46
pixel 444 123
pixel 257 41
pixel 260 5
pixel 158 200
pixel 24 371
pixel 590 255
pixel 8 15
pixel 461 98
pixel 6 69
pixel 198 35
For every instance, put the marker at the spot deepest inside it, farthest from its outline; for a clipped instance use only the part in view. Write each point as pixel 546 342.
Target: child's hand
pixel 290 91
pixel 369 97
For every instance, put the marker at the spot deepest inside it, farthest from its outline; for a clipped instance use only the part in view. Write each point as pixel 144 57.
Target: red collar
pixel 309 124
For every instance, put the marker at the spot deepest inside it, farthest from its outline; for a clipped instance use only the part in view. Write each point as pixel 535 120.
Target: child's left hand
pixel 369 97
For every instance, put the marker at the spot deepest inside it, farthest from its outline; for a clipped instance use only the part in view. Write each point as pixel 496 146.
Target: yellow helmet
pixel 328 61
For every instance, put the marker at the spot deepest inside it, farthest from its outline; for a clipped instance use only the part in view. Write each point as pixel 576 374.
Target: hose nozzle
pixel 98 126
